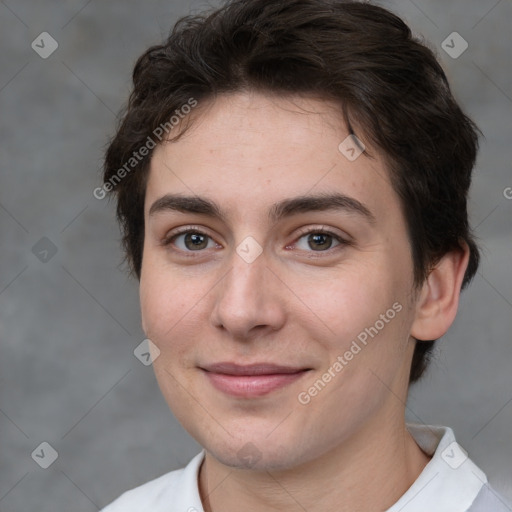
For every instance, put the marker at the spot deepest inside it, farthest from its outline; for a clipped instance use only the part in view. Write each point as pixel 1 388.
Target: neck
pixel 369 471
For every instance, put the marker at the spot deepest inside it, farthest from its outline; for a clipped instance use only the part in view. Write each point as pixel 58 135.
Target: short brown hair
pixel 387 83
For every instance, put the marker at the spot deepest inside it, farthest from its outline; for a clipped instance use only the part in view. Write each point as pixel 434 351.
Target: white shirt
pixel 450 482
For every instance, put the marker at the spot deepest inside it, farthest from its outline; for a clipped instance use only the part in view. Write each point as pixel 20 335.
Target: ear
pixel 438 300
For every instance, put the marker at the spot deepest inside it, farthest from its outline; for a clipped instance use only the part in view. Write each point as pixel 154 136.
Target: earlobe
pixel 438 300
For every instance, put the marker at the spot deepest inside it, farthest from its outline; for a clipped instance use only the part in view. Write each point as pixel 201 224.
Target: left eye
pixel 318 241
pixel 192 241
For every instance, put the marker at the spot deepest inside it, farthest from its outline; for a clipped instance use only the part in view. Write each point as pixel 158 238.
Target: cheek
pixel 361 315
pixel 162 302
pixel 350 298
pixel 173 311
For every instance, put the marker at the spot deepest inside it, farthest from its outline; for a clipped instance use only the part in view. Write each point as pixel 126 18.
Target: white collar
pixel 450 482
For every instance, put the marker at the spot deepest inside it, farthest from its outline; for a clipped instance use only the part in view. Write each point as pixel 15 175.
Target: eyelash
pixel 183 231
pixel 322 231
pixel 188 229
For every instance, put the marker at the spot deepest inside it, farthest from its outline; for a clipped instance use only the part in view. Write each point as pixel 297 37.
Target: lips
pixel 251 369
pixel 254 380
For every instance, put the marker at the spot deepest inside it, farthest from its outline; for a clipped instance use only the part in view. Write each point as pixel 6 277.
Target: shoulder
pixel 490 500
pixel 451 481
pixel 144 496
pixel 158 494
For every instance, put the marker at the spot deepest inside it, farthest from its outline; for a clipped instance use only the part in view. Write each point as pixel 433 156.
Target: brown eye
pixel 320 241
pixel 194 241
pixel 191 241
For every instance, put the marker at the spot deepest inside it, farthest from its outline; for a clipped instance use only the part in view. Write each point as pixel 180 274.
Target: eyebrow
pixel 278 211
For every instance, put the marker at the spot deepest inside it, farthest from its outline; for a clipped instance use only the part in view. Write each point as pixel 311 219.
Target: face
pixel 279 292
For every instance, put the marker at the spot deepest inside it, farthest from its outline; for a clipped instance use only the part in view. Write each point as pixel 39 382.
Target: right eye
pixel 190 240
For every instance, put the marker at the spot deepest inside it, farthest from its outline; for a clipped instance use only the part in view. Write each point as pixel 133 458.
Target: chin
pixel 257 452
pixel 249 457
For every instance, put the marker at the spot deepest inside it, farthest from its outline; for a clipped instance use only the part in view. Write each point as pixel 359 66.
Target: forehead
pixel 247 148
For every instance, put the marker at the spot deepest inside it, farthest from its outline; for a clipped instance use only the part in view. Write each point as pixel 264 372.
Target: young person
pixel 291 180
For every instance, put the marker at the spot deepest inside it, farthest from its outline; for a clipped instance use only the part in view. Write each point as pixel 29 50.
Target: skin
pixel 295 304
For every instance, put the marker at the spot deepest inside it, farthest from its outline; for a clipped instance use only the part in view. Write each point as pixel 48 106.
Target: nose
pixel 249 299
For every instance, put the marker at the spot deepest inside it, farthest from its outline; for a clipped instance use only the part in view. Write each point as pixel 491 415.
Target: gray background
pixel 68 326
